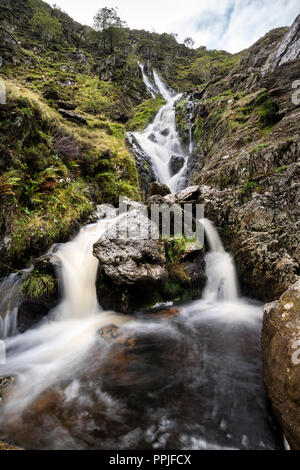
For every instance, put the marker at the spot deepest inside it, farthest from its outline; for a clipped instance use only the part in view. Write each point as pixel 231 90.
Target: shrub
pixel 268 113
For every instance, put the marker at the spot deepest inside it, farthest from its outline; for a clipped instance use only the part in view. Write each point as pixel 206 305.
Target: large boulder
pixel 129 258
pixel 138 268
pixel 281 361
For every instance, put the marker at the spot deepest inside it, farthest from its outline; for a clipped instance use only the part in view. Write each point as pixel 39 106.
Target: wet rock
pixel 167 313
pixel 132 264
pixel 176 163
pixel 127 262
pixel 158 189
pixel 135 271
pixel 10 447
pixel 110 332
pixel 165 132
pixel 281 361
pixel 146 170
pixel 153 138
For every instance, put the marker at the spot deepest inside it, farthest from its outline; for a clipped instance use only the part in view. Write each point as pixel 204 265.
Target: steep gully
pixel 205 390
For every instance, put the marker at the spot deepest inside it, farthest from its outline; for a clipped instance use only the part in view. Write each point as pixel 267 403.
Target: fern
pixel 8 181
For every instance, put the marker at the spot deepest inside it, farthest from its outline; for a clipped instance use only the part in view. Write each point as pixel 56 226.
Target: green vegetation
pixel 55 172
pixel 260 147
pixel 269 113
pixel 46 26
pixel 144 113
pixel 248 189
pixel 110 27
pixel 39 285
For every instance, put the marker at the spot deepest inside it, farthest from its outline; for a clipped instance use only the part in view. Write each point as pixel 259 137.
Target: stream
pixel 191 381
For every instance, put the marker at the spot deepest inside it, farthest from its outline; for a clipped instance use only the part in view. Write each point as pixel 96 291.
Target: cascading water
pixel 196 378
pixel 151 88
pixel 222 281
pixel 160 140
pixel 10 296
pixel 191 109
pixel 41 355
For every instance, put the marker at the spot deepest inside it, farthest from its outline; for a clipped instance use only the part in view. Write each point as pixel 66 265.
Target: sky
pixel 231 25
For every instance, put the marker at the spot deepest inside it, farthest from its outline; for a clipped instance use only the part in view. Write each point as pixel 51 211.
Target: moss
pixel 48 191
pixel 247 189
pixel 50 218
pixel 111 188
pixel 259 147
pixel 281 169
pixel 38 285
pixel 144 113
pixel 172 289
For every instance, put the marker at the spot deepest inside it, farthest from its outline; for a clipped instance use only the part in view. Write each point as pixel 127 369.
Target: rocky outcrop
pixel 281 361
pixel 246 161
pixel 139 269
pixel 74 117
pixel 146 171
pixel 288 49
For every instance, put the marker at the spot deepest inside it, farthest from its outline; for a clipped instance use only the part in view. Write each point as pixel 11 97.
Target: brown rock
pixel 281 361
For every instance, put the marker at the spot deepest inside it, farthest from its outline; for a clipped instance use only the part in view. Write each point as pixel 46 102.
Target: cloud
pixel 231 25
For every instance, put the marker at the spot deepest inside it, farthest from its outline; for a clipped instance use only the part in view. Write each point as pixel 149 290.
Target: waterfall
pixel 160 140
pixel 78 272
pixel 10 298
pixel 191 109
pixel 45 353
pixel 148 83
pixel 222 281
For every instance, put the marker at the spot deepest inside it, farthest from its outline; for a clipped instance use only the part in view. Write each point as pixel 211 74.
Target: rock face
pixel 246 161
pixel 288 49
pixel 281 361
pixel 146 171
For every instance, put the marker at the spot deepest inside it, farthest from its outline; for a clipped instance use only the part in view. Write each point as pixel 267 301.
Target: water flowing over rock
pixel 176 163
pixel 281 361
pixel 160 140
pixel 134 270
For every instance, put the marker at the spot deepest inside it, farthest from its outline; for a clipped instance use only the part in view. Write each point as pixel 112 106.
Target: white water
pixel 160 140
pixel 56 349
pixel 222 281
pixel 148 83
pixel 44 354
pixel 10 294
